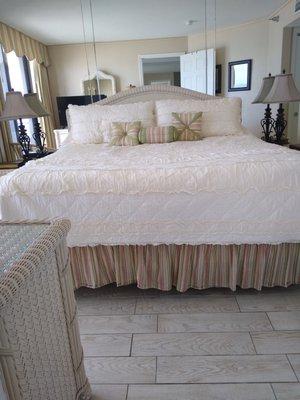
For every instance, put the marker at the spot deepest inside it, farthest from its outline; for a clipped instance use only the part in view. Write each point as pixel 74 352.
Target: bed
pixel 220 212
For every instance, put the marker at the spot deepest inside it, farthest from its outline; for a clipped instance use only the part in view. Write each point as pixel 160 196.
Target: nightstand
pixel 60 136
pixel 5 168
pixel 35 156
pixel 295 146
pixel 40 354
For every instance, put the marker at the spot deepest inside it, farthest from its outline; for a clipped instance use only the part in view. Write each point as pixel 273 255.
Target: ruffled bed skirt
pixel 187 266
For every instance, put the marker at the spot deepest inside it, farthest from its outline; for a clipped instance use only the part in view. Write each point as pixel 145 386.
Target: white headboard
pixel 154 92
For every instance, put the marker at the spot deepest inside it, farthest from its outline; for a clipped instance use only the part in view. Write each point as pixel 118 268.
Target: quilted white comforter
pixel 229 189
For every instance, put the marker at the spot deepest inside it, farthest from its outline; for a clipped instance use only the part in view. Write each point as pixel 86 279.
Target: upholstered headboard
pixel 154 92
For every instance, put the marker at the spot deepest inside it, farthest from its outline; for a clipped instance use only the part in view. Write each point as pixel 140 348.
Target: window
pixel 15 74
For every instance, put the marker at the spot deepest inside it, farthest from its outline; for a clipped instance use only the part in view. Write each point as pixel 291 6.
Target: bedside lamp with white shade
pixel 267 122
pixel 279 89
pixel 35 104
pixel 16 108
pixel 283 90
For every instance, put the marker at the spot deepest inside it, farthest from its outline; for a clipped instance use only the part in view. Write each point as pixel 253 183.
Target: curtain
pixel 5 138
pixel 23 45
pixel 42 84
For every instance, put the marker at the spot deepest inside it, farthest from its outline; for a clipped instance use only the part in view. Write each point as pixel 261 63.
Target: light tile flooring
pixel 210 345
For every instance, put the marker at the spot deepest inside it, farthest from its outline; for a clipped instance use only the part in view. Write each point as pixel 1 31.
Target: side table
pixel 295 146
pixel 40 354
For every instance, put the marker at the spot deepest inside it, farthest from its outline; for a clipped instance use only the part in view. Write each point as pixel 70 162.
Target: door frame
pixel 295 37
pixel 147 56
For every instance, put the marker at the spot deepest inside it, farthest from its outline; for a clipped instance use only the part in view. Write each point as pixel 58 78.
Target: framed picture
pixel 296 6
pixel 239 75
pixel 218 78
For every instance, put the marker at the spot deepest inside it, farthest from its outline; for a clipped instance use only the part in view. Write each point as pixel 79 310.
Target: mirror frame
pixel 249 75
pixel 102 75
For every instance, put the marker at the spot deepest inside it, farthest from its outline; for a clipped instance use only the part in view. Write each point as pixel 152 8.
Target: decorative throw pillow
pixel 91 123
pixel 158 134
pixel 187 125
pixel 125 133
pixel 221 116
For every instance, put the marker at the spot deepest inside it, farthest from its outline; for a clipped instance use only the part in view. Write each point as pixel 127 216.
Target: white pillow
pixel 220 116
pixel 91 124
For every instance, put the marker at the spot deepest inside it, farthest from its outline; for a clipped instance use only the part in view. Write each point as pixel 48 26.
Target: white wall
pixel 68 62
pixel 249 41
pixel 265 42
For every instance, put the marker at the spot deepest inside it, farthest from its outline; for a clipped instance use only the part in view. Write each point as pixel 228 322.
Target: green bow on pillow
pixel 187 125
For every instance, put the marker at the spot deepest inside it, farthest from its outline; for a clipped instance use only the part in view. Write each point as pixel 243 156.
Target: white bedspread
pixel 230 189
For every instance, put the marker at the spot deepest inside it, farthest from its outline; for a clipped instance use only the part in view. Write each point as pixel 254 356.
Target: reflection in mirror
pixel 239 75
pixel 107 84
pixel 160 69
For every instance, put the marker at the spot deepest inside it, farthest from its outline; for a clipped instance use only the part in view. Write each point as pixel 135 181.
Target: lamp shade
pixel 16 107
pixel 266 86
pixel 283 90
pixel 35 104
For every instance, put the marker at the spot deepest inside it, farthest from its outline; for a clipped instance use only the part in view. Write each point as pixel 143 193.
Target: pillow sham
pixel 157 134
pixel 187 125
pixel 91 124
pixel 220 117
pixel 125 133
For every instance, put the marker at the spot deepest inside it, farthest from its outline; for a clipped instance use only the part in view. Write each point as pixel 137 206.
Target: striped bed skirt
pixel 187 266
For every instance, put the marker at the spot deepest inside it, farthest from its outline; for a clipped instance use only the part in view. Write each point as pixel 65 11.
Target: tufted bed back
pixel 154 92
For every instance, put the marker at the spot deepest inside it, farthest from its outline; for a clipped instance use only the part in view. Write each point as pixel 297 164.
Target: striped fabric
pixel 125 133
pixel 187 266
pixel 188 125
pixel 158 134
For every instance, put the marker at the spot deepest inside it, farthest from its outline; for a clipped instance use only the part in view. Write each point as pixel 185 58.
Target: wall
pixel 68 62
pixel 280 39
pixel 265 42
pixel 158 77
pixel 249 41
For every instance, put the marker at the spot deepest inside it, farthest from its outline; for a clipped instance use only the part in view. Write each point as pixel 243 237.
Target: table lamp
pixel 16 108
pixel 267 122
pixel 35 104
pixel 283 90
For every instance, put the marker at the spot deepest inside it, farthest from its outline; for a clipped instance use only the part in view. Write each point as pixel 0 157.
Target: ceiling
pixel 59 21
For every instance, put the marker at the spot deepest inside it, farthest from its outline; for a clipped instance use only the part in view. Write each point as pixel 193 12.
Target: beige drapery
pixel 5 150
pixel 43 90
pixel 23 45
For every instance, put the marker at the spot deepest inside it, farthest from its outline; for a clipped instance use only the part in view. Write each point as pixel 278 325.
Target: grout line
pixel 127 390
pixel 236 300
pixel 156 369
pixel 273 390
pixel 130 350
pixel 135 305
pixel 241 355
pixel 289 361
pixel 250 334
pixel 270 320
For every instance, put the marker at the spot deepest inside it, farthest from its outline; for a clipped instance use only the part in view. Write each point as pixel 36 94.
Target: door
pixel 294 108
pixel 194 74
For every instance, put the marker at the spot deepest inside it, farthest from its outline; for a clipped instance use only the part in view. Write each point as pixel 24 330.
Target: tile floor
pixel 210 345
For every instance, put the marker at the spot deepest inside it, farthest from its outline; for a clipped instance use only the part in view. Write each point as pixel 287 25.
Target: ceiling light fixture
pixel 191 22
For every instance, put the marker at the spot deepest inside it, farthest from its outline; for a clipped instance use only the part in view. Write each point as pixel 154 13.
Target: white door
pixel 294 108
pixel 195 75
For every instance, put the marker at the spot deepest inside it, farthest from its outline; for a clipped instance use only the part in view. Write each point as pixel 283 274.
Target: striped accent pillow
pixel 187 125
pixel 124 133
pixel 158 134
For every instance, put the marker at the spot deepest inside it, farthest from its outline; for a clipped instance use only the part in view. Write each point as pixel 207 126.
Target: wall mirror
pixel 107 84
pixel 239 75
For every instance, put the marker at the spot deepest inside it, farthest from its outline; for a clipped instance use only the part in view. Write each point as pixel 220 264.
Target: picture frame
pixel 239 75
pixel 218 78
